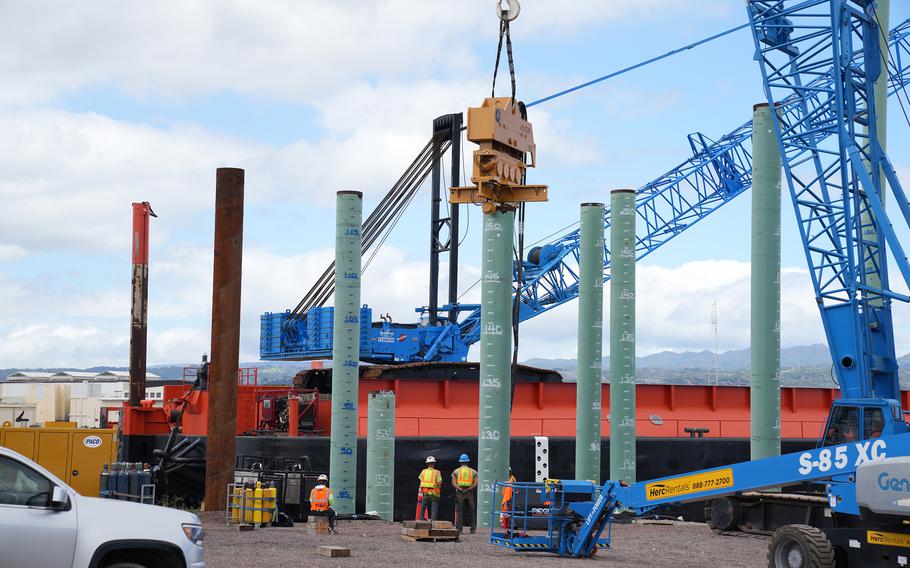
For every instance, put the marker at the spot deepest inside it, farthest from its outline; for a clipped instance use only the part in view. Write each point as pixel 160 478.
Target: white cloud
pixel 69 178
pixel 674 308
pixel 293 50
pixel 51 345
pixel 375 73
pixel 673 311
pixel 180 306
pixel 11 252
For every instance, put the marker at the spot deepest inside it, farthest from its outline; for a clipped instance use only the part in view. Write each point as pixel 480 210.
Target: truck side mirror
pixel 60 500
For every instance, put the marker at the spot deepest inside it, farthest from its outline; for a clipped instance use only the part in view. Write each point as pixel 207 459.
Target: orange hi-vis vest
pixel 464 476
pixel 507 493
pixel 319 499
pixel 430 481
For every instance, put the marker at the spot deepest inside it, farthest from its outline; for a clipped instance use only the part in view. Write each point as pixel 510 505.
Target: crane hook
pixel 510 12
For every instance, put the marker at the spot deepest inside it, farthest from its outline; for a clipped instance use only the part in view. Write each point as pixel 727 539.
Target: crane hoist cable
pixel 637 65
pixel 380 221
pixel 505 15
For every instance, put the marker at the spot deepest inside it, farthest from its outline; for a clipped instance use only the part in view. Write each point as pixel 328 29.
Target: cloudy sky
pixel 106 103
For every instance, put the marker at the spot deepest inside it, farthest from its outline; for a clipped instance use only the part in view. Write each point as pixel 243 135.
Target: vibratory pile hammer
pixel 505 139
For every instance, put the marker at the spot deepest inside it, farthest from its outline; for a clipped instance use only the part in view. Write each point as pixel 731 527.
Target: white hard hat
pixel 322 477
pixel 431 459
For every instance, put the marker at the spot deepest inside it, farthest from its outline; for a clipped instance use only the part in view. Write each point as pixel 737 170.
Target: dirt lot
pixel 374 544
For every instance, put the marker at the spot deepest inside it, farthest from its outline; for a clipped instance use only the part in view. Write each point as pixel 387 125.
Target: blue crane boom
pixel 717 172
pixel 832 162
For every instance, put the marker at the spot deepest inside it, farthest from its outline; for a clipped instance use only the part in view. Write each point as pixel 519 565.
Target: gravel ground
pixel 374 544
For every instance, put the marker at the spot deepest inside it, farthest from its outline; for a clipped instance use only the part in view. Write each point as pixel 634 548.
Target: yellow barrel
pixel 248 505
pixel 257 504
pixel 235 503
pixel 271 495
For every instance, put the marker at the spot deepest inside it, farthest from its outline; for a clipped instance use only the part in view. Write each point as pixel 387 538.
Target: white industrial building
pixel 91 400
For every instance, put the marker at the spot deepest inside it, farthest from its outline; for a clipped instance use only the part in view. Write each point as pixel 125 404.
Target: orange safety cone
pixel 426 516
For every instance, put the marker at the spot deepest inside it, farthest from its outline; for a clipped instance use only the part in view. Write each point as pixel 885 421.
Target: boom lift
pixel 835 169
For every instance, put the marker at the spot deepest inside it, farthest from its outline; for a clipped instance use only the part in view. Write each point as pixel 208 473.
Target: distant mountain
pixel 805 355
pixel 801 356
pixel 555 364
pixel 807 365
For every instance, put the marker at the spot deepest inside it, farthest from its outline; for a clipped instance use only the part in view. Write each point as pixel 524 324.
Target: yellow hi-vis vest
pixel 464 476
pixel 430 481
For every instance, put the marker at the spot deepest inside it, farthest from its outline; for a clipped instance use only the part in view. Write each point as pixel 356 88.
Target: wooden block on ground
pixel 333 551
pixel 417 524
pixel 444 533
pixel 244 527
pixel 318 520
pixel 319 529
pixel 428 539
pixel 417 533
pixel 442 525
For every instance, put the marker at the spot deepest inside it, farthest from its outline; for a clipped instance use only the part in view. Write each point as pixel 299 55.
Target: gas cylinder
pixel 134 482
pixel 112 480
pixel 104 481
pixel 123 481
pixel 257 504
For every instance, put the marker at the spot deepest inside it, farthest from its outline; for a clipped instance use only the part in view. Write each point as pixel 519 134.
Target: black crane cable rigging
pixel 504 33
pixel 517 247
pixel 381 221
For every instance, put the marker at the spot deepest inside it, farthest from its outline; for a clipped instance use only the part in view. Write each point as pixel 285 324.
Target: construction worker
pixel 507 493
pixel 464 480
pixel 430 489
pixel 321 501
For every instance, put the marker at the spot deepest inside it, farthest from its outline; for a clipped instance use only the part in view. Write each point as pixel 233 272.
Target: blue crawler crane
pixel 717 172
pixel 819 61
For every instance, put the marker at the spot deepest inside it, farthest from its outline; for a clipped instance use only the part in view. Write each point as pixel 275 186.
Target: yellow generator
pixel 75 455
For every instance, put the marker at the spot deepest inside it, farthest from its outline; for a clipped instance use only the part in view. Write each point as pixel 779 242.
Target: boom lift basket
pixel 558 516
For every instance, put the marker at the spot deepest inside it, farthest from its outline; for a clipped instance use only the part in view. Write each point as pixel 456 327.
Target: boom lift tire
pixel 723 514
pixel 800 546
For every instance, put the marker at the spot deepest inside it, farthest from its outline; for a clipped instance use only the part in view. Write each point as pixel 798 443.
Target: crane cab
pixel 863 419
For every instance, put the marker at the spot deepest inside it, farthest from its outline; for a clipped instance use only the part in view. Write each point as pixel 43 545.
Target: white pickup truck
pixel 45 523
